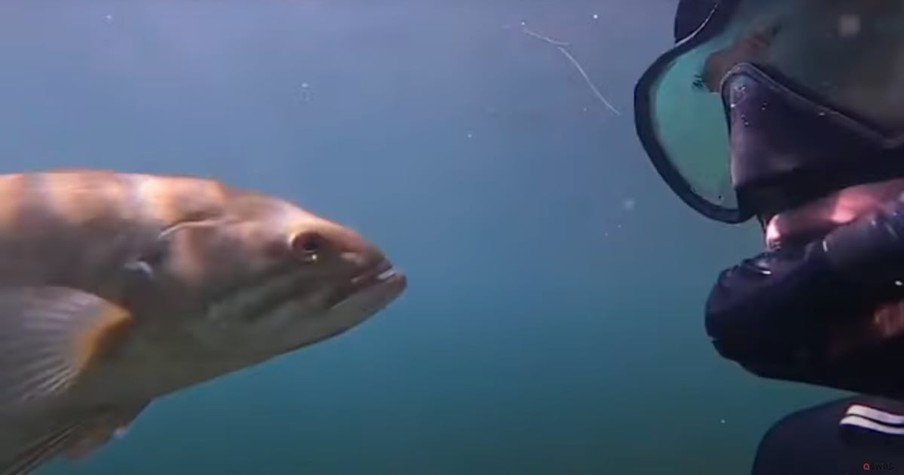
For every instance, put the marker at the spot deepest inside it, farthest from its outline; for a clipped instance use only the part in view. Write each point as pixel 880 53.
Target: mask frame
pixel 712 26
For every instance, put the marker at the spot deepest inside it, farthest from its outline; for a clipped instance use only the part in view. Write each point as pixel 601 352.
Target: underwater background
pixel 553 321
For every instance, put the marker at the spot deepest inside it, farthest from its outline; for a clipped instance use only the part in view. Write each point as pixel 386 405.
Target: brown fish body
pixel 117 289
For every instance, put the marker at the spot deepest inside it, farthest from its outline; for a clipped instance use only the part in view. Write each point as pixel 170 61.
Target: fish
pixel 119 289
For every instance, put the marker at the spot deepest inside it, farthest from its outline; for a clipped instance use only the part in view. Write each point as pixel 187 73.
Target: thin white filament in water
pixel 560 45
pixel 545 38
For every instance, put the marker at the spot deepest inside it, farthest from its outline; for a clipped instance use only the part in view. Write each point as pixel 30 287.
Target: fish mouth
pixel 364 293
pixel 381 282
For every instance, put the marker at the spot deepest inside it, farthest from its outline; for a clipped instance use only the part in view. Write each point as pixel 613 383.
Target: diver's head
pixel 764 105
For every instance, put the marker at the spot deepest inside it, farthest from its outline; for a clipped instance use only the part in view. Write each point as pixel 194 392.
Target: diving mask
pixel 773 103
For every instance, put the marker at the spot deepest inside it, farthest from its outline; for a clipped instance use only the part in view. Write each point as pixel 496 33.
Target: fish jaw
pixel 304 320
pixel 367 294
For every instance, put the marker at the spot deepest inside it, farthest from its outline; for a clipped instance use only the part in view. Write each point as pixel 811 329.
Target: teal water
pixel 553 321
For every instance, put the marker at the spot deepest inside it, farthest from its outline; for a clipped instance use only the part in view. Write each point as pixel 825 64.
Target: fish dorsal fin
pixel 76 439
pixel 51 335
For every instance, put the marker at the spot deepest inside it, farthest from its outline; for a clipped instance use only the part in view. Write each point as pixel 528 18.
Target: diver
pixel 792 112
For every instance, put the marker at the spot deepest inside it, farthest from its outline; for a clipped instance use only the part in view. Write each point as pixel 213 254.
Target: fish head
pixel 266 276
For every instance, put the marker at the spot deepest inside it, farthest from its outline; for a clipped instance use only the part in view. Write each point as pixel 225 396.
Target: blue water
pixel 553 320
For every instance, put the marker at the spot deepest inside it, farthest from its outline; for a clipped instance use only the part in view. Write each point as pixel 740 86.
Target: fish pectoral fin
pixel 42 450
pixel 75 439
pixel 50 335
pixel 113 425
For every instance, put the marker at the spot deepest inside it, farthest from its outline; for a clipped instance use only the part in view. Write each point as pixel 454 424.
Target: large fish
pixel 118 289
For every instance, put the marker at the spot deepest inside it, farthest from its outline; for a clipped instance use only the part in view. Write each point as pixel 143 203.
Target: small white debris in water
pixel 469 135
pixel 305 92
pixel 629 204
pixel 722 421
pixel 848 25
pixel 108 18
pixel 596 17
pixel 899 283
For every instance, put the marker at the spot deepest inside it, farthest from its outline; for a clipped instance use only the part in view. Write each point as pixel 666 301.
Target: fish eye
pixel 307 244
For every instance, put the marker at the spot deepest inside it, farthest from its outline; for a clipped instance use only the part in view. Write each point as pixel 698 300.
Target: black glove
pixel 809 313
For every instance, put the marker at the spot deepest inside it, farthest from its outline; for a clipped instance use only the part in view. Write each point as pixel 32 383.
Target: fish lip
pixel 382 274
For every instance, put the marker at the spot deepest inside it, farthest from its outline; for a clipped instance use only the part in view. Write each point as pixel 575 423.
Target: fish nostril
pixel 307 245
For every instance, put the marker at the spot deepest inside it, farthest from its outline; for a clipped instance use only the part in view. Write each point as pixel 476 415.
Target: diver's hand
pixel 819 217
pixel 829 311
pixel 868 254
